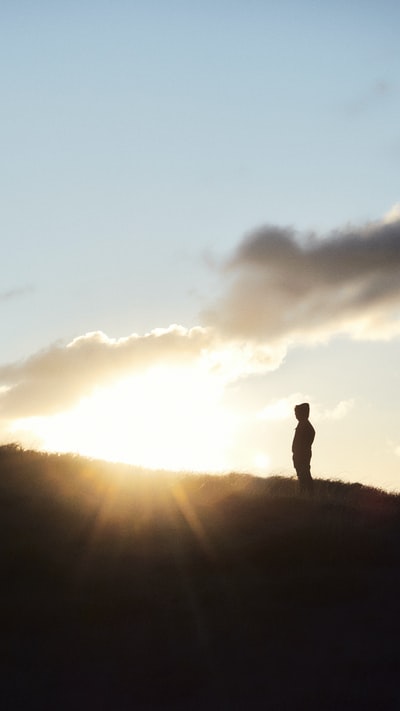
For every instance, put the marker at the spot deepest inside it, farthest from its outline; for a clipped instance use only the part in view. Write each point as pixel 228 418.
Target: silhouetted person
pixel 301 447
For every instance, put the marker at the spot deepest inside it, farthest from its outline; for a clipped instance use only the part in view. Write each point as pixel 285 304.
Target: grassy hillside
pixel 126 589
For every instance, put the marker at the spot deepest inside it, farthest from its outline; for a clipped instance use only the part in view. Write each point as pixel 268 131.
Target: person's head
pixel 302 411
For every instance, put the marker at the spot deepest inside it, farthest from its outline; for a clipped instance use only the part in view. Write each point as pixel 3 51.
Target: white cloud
pixel 338 412
pixel 56 378
pixel 392 215
pixel 283 409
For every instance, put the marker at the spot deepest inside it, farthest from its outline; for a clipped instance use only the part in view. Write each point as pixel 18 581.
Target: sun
pixel 261 461
pixel 168 418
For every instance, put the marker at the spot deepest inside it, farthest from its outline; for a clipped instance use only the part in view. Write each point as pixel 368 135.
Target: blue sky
pixel 141 141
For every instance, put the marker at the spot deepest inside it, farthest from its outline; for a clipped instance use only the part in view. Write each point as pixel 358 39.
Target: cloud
pixel 338 412
pixel 283 286
pixel 279 287
pixel 55 378
pixel 15 293
pixel 392 215
pixel 283 409
pixel 373 95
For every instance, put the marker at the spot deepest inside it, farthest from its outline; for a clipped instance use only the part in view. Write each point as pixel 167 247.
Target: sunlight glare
pixel 262 462
pixel 167 418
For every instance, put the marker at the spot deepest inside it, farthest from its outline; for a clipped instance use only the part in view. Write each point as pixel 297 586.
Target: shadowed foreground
pixel 123 589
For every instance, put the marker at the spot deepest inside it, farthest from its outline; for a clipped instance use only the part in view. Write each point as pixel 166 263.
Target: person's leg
pixel 308 480
pixel 301 478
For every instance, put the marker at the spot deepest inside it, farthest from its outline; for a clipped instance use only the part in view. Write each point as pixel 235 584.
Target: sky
pixel 200 221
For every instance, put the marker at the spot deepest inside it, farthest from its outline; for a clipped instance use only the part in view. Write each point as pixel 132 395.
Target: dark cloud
pixel 15 293
pixel 281 285
pixel 55 378
pixel 377 92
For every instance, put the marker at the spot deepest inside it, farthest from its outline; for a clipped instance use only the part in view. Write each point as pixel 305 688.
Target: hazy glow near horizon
pixel 169 418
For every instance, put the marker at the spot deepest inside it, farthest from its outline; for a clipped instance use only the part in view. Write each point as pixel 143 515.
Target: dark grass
pixel 127 589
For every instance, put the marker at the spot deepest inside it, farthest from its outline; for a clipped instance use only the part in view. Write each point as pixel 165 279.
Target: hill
pixel 126 589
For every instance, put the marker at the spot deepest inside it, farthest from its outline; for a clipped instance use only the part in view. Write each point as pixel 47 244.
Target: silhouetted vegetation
pixel 127 589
